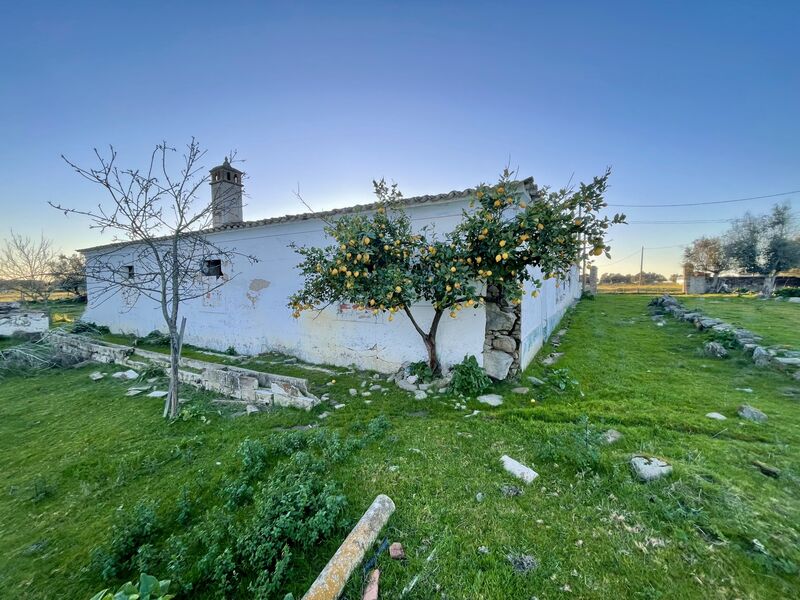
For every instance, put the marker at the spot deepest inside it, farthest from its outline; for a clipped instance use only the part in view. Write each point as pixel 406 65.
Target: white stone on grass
pixel 535 380
pixel 517 469
pixel 412 379
pixel 134 392
pixel 251 409
pixel 745 390
pixel 157 394
pixel 520 390
pixel 497 363
pixel 338 406
pixel 649 468
pixel 751 414
pixel 717 416
pixel 96 376
pixel 491 399
pixel 353 392
pixel 129 374
pixel 420 395
pixel 324 415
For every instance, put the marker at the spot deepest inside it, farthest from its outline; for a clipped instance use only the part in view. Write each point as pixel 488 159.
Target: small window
pixel 228 175
pixel 127 271
pixel 212 268
pixel 235 179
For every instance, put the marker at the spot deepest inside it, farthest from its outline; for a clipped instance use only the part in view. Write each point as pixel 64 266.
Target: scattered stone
pixel 715 350
pixel 412 379
pixel 375 388
pixel 134 392
pixel 396 551
pixel 650 468
pixel 761 357
pixel 523 563
pixel 96 376
pixel 497 363
pixel 517 469
pixel 717 416
pixel 535 380
pixel 366 394
pixel 491 399
pixel 403 384
pixel 745 390
pixel 420 395
pixel 479 497
pixel 338 406
pixel 751 414
pixel 611 436
pixel 158 394
pixel 425 386
pixel 521 390
pixel 509 491
pixel 552 358
pixel 324 415
pixel 474 412
pixel 483 550
pixel 371 591
pixel 794 299
pixel 129 374
pixel 767 470
pixel 393 469
pixel 251 409
pixel 787 361
pixel 353 392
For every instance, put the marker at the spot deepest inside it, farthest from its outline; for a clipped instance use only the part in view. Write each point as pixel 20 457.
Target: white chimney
pixel 226 194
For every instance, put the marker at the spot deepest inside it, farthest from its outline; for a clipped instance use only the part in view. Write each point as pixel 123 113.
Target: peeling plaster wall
pixel 541 316
pixel 249 312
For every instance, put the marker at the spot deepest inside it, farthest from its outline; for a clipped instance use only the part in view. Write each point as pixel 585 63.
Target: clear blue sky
pixel 687 101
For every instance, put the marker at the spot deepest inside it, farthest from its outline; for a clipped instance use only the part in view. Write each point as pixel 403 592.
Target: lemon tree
pixel 378 263
pixel 507 234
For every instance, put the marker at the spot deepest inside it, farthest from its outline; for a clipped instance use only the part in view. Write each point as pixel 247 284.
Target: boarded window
pixel 212 267
pixel 128 272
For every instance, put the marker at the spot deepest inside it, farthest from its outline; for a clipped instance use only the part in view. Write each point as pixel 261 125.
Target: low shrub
pixel 469 378
pixel 129 533
pixel 154 338
pixel 149 588
pixel 788 292
pixel 90 328
pixel 422 370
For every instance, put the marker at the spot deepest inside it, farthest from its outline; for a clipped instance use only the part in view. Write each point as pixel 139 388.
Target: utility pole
pixel 641 270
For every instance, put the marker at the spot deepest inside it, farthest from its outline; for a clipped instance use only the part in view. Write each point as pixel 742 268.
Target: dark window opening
pixel 235 179
pixel 229 176
pixel 212 268
pixel 127 271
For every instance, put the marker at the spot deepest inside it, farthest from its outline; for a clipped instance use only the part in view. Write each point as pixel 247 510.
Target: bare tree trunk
pixel 175 348
pixel 769 284
pixel 429 338
pixel 715 282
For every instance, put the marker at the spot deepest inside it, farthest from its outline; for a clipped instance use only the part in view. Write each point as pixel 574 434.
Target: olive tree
pixel 764 244
pixel 708 254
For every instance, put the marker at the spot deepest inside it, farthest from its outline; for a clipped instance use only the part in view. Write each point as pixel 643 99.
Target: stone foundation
pixel 235 382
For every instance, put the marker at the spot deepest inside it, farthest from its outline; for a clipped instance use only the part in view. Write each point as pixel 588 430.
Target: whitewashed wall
pixel 540 316
pixel 250 314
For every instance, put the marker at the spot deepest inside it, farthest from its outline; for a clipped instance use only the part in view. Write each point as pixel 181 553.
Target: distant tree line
pixel 34 270
pixel 755 244
pixel 619 278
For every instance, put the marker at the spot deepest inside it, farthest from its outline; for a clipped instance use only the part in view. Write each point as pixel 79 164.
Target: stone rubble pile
pixel 763 356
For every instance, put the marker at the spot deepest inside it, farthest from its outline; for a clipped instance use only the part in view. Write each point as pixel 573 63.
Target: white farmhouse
pixel 250 313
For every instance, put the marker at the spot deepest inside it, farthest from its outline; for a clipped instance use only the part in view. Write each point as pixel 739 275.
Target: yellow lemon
pixel 502 243
pixel 452 269
pixel 540 226
pixel 398 289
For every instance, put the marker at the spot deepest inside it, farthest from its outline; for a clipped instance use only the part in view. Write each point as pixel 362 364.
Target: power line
pixel 684 222
pixel 703 203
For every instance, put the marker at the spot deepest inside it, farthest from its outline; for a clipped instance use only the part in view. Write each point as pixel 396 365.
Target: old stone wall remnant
pixel 501 358
pixel 15 320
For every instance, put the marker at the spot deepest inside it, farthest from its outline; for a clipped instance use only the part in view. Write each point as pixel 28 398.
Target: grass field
pixel 73 453
pixel 650 288
pixel 778 322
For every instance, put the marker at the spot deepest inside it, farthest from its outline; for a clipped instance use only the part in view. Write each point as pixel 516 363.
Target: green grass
pixel 73 451
pixel 778 322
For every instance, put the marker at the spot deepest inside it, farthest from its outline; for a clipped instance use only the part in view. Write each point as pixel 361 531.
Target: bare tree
pixel 25 264
pixel 69 274
pixel 163 252
pixel 708 254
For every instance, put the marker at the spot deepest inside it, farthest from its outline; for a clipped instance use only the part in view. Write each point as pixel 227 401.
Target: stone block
pixel 505 343
pixel 497 364
pixel 517 469
pixel 649 468
pixel 497 319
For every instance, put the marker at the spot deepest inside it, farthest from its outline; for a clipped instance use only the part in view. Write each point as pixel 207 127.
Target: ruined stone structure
pixel 702 283
pixel 16 321
pixel 249 312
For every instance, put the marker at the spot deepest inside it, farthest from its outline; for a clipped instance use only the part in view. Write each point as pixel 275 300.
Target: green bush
pixel 788 292
pixel 90 328
pixel 154 338
pixel 253 530
pixel 469 378
pixel 149 588
pixel 422 370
